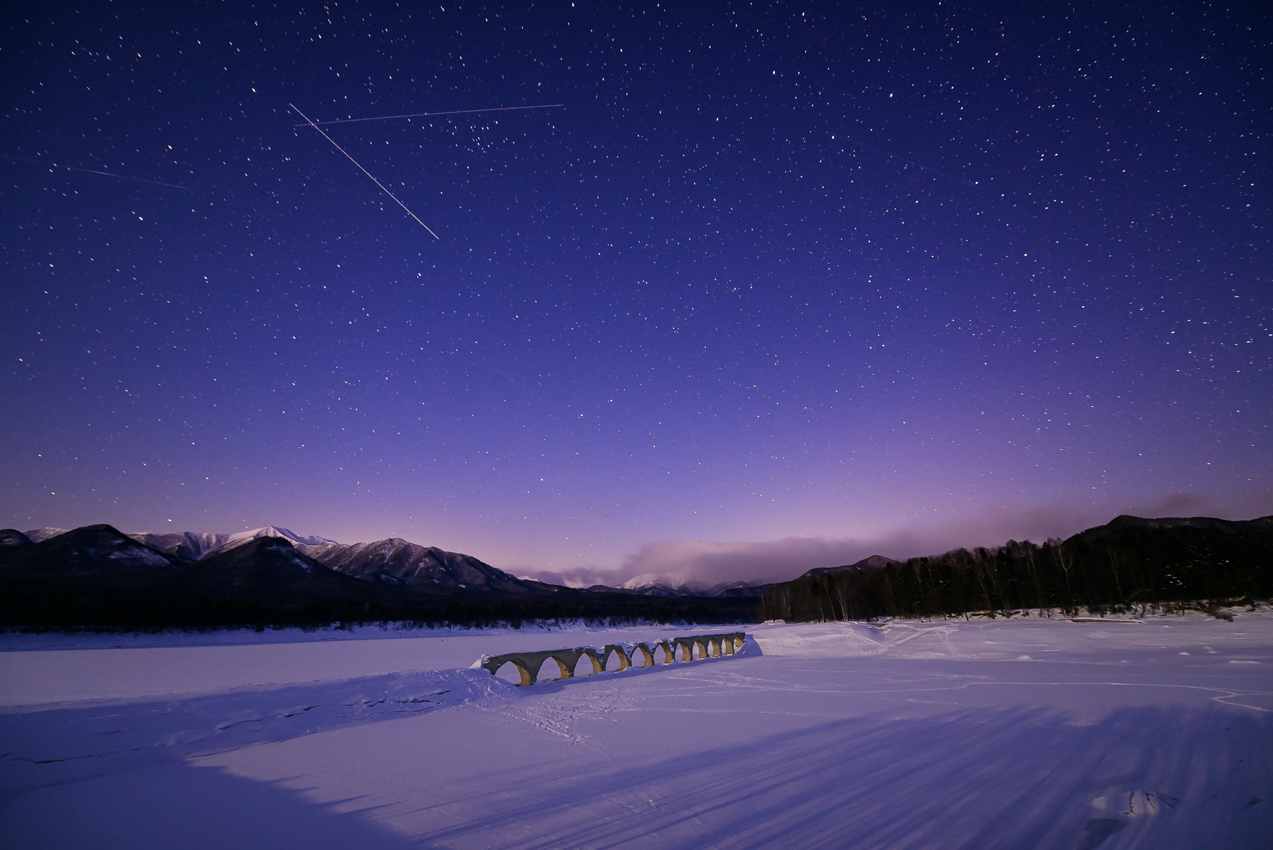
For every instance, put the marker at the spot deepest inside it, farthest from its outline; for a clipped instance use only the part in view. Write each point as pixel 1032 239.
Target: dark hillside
pixel 13 537
pixel 1127 564
pixel 91 550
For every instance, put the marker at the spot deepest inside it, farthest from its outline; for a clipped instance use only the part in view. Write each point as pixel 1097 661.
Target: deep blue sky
pixel 870 277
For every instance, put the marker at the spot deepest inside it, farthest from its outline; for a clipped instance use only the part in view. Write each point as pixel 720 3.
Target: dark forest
pixel 1129 565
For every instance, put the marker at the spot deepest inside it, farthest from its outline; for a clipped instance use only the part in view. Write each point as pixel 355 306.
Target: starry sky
pixel 775 285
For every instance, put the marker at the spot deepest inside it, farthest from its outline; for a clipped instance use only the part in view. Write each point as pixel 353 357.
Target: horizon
pixel 705 564
pixel 772 289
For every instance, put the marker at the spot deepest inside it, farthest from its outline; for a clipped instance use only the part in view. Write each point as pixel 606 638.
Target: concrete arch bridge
pixel 690 648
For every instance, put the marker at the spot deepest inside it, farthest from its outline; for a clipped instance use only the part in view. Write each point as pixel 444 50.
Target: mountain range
pixel 652 584
pixel 400 562
pixel 192 545
pixel 393 561
pixel 98 576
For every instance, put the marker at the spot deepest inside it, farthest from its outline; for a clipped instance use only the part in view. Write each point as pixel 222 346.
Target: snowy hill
pixel 39 535
pixel 652 584
pixel 196 545
pixel 95 550
pixel 236 540
pixel 186 545
pixel 393 561
pixel 398 561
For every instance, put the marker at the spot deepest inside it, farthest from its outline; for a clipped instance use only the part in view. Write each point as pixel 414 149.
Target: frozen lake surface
pixel 1007 733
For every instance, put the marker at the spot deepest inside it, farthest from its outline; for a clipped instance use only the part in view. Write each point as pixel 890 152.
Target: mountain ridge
pixel 98 577
pixel 391 561
pixel 398 561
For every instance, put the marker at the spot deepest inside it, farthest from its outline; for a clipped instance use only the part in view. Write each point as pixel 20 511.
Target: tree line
pixel 40 606
pixel 1118 568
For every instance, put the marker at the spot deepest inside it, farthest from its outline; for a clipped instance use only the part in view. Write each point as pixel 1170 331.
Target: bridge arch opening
pixel 641 656
pixel 513 672
pixel 616 661
pixel 684 652
pixel 662 655
pixel 552 669
pixel 587 665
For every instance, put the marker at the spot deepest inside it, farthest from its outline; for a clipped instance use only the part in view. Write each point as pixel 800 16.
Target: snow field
pixel 1025 732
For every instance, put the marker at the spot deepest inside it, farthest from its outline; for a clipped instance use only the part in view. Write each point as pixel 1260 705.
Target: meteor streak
pixel 363 170
pixel 430 114
pixel 91 171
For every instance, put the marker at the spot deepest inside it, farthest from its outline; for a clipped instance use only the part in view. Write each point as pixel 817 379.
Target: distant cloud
pixel 709 563
pixel 774 560
pixel 573 577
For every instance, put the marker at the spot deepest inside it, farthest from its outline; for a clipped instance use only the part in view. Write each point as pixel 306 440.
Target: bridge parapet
pixel 529 664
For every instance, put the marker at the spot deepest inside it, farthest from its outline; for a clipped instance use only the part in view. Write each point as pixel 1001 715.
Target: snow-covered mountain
pixel 392 561
pixel 235 540
pixel 196 545
pixel 653 584
pixel 185 545
pixel 39 535
pixel 399 561
pixel 94 550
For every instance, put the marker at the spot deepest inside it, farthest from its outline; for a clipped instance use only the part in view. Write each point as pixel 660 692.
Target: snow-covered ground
pixel 1004 733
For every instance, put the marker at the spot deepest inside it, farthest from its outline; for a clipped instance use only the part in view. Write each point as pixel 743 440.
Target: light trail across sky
pixel 94 171
pixel 365 171
pixel 431 114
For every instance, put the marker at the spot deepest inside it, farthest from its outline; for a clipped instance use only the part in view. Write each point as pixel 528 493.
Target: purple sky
pixel 777 287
